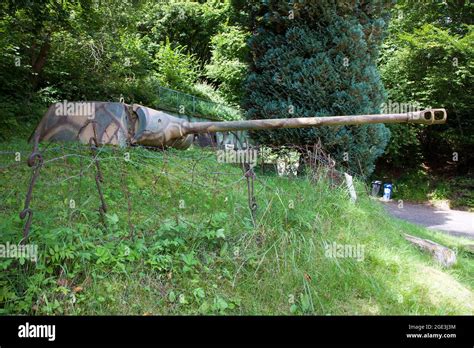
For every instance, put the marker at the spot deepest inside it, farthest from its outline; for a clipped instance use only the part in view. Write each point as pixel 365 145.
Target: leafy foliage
pixel 185 23
pixel 89 50
pixel 175 68
pixel 428 59
pixel 228 62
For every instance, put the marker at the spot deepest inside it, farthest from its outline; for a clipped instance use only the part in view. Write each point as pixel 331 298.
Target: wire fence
pixel 123 179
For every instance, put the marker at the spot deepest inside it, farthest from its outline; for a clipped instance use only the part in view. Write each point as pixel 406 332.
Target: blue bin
pixel 387 192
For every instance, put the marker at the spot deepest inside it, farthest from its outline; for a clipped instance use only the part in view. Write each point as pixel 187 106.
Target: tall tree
pixel 317 59
pixel 427 59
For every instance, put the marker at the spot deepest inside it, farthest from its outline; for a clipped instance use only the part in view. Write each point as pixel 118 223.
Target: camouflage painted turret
pixel 122 124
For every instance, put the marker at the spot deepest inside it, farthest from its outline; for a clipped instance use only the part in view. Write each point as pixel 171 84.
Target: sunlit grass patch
pixel 184 242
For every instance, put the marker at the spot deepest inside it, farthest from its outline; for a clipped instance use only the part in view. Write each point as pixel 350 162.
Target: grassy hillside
pixel 179 239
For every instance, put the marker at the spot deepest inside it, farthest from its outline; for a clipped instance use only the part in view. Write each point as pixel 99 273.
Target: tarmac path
pixel 454 222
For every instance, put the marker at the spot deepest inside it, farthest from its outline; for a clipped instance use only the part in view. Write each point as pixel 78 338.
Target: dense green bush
pixel 228 65
pixel 185 23
pixel 428 60
pixel 317 59
pixel 175 68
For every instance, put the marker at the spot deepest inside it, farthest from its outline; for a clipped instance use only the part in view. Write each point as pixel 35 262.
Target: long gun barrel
pixel 432 116
pixel 121 124
pixel 166 130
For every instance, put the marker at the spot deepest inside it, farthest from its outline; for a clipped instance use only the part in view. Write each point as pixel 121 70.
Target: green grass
pixel 195 250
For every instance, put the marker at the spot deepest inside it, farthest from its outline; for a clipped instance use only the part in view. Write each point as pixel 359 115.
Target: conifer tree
pixel 318 58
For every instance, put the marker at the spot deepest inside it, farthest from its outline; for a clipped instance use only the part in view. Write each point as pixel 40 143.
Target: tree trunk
pixel 38 61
